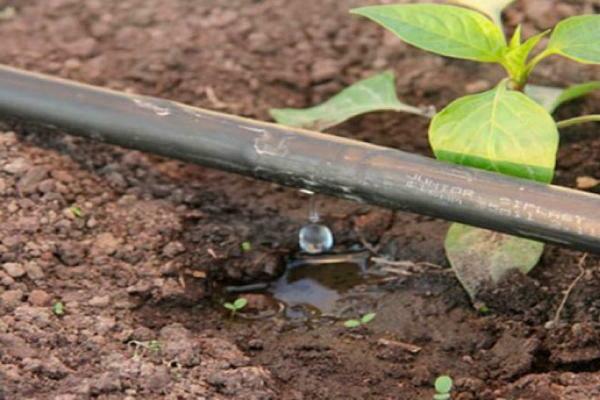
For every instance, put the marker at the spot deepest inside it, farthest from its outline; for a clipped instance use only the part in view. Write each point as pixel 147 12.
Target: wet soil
pixel 139 249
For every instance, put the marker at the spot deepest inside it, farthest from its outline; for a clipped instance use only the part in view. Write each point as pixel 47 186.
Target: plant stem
pixel 536 60
pixel 578 120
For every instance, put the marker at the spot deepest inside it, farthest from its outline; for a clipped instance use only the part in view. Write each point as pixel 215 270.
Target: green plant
pixel 355 323
pixel 58 308
pixel 443 387
pixel 76 211
pixel 246 246
pixel 508 129
pixel 236 306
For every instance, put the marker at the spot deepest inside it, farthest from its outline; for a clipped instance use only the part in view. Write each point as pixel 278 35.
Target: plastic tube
pixel 299 158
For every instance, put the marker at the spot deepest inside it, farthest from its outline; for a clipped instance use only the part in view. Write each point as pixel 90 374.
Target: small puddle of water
pixel 314 284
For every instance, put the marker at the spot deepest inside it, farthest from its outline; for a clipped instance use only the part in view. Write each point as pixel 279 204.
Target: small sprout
pixel 246 246
pixel 58 308
pixel 367 318
pixel 236 305
pixel 352 323
pixel 355 323
pixel 484 310
pixel 76 211
pixel 443 386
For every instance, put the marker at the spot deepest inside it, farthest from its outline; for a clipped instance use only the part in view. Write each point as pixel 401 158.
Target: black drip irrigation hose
pixel 319 162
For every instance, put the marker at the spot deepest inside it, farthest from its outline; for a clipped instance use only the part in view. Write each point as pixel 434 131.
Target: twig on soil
pixel 411 348
pixel 580 265
pixel 367 245
pixel 212 253
pixel 212 97
pixel 403 267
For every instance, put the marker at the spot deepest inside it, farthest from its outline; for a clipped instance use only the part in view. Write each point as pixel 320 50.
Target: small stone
pixel 324 70
pixel 106 244
pixel 106 383
pixel 28 183
pixel 62 176
pixel 99 301
pixel 2 186
pixel 39 298
pixel 14 270
pixel 17 167
pixel 34 271
pixel 586 182
pixel 11 299
pixel 84 47
pixel 70 253
pixel 173 248
pixel 47 186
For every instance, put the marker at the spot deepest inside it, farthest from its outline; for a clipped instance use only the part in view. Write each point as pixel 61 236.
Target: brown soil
pixel 140 267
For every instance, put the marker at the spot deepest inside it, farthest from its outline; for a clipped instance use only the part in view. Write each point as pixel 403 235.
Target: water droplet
pixel 315 238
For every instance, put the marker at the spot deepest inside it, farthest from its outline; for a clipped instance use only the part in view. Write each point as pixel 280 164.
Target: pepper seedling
pixel 508 129
pixel 236 306
pixel 355 323
pixel 443 387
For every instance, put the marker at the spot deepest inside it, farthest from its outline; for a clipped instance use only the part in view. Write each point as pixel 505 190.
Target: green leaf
pixel 441 396
pixel 577 38
pixel 240 303
pixel 552 97
pixel 229 306
pixel 515 59
pixel 499 130
pixel 352 323
pixel 376 93
pixel 58 308
pixel 491 8
pixel 367 318
pixel 447 30
pixel 480 257
pixel 443 384
pixel 515 41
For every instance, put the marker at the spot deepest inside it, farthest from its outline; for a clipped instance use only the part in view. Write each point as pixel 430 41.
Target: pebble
pixel 17 167
pixel 2 186
pixel 99 301
pixel 11 298
pixel 173 248
pixel 84 47
pixel 106 244
pixel 324 70
pixel 34 271
pixel 39 298
pixel 14 270
pixel 28 183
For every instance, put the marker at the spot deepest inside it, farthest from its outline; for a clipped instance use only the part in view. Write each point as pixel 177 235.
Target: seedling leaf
pixel 352 323
pixel 499 130
pixel 479 256
pixel 443 384
pixel 58 308
pixel 515 59
pixel 552 97
pixel 447 30
pixel 491 8
pixel 441 396
pixel 367 318
pixel 229 306
pixel 240 303
pixel 376 93
pixel 577 38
